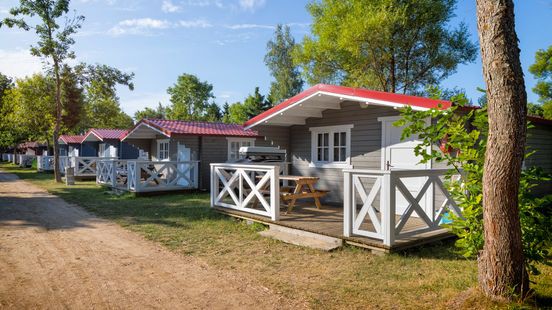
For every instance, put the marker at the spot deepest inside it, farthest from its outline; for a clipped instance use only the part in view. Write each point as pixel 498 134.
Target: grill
pixel 260 154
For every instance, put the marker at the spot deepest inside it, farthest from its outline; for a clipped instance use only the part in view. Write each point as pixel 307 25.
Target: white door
pixel 399 154
pixel 184 154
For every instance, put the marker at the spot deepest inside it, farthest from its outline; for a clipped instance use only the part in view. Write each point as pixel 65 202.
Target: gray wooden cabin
pixel 382 196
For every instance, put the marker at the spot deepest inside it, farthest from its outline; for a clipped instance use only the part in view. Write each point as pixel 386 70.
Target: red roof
pixel 355 93
pixel 103 134
pixel 71 138
pixel 172 127
pixel 30 145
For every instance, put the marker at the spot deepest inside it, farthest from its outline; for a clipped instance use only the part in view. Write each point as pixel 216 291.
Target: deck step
pixel 302 238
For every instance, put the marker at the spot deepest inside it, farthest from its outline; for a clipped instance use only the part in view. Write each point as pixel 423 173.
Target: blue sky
pixel 222 42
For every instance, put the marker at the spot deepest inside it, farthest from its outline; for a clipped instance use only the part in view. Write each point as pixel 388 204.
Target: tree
pixel 5 84
pixel 189 97
pixel 212 113
pixel 225 113
pixel 542 71
pixel 387 45
pixel 463 150
pixel 102 109
pixel 158 113
pixel 237 114
pixel 53 45
pixel 279 60
pixel 501 263
pixel 255 104
pixel 72 96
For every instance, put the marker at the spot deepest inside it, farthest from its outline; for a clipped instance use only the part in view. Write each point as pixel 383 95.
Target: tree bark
pixel 57 172
pixel 501 263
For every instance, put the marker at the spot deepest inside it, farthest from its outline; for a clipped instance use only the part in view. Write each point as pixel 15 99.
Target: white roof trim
pixel 342 97
pixel 91 132
pixel 147 125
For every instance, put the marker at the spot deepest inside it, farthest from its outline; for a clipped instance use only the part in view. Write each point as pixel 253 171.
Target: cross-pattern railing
pixel 86 166
pixel 404 208
pixel 148 176
pixel 112 172
pixel 46 163
pixel 248 188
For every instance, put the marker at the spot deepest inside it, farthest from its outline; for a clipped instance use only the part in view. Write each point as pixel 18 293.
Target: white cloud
pixel 138 26
pixel 147 26
pixel 198 23
pixel 169 7
pixel 19 63
pixel 205 3
pixel 249 26
pixel 251 5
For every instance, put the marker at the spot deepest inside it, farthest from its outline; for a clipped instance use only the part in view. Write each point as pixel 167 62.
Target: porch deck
pixel 329 221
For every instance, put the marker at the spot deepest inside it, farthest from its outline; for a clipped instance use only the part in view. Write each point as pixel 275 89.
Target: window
pixel 234 145
pixel 331 146
pixel 163 149
pixel 102 150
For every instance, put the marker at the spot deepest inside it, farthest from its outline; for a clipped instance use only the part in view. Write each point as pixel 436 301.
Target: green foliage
pixel 73 101
pixel 388 45
pixel 159 113
pixel 542 71
pixel 255 104
pixel 225 113
pixel 279 60
pixel 213 113
pixel 189 98
pixel 464 151
pixel 102 109
pixel 237 114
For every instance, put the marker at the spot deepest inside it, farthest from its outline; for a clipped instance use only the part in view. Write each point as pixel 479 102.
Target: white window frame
pixel 163 141
pixel 330 130
pixel 240 141
pixel 101 150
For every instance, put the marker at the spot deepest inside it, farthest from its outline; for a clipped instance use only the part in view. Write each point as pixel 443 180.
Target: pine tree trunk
pixel 501 263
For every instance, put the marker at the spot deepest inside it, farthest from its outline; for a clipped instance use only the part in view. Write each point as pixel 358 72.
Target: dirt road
pixel 54 255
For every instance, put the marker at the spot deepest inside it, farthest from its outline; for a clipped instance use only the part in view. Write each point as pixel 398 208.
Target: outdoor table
pixel 304 188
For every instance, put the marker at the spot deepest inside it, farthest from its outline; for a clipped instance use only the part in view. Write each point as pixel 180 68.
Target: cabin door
pixel 399 154
pixel 184 154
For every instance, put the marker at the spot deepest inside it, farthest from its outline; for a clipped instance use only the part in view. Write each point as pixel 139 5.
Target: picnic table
pixel 304 188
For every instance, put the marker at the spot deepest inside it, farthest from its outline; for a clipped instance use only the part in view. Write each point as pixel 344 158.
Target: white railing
pixel 112 172
pixel 406 204
pixel 46 163
pixel 151 176
pixel 24 160
pixel 5 156
pixel 86 166
pixel 249 188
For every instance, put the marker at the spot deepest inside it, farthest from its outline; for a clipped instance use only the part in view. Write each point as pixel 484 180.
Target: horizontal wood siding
pixel 140 144
pixel 214 150
pixel 365 144
pixel 539 139
pixel 89 149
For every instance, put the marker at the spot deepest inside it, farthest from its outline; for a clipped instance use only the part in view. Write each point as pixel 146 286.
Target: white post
pixel 275 193
pixel 388 209
pixel 348 208
pixel 113 173
pixel 195 174
pixel 214 185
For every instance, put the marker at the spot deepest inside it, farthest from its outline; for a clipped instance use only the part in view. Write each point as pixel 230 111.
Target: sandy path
pixel 54 255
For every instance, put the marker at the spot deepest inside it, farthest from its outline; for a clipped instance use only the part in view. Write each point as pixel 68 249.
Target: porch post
pixel 275 193
pixel 347 207
pixel 388 208
pixel 113 173
pixel 214 186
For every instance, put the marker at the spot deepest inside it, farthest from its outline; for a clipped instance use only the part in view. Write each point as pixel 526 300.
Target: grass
pixel 427 277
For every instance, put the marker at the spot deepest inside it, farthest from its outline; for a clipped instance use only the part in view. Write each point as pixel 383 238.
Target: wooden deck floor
pixel 329 221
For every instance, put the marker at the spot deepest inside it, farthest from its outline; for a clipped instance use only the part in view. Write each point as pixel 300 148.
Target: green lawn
pixel 427 277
